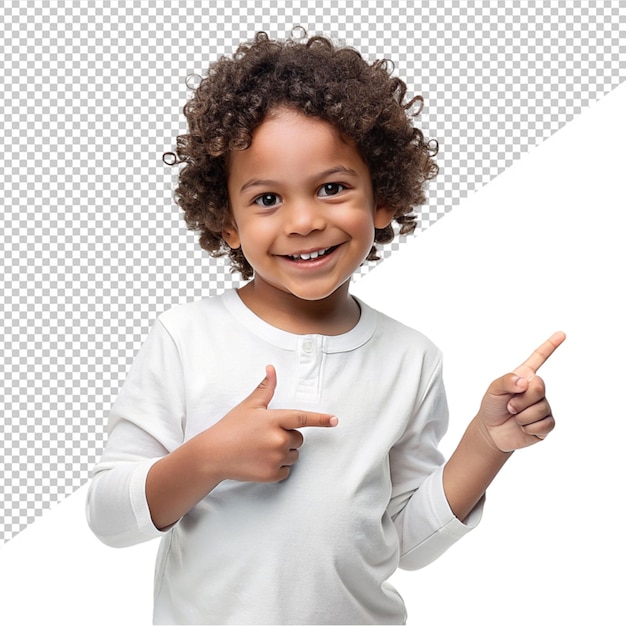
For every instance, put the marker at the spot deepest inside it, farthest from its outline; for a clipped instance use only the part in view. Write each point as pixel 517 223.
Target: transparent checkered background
pixel 93 248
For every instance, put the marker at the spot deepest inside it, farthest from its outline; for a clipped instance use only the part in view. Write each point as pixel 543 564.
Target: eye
pixel 330 189
pixel 267 200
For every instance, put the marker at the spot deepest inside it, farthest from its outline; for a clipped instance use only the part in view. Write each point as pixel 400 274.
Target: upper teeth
pixel 310 255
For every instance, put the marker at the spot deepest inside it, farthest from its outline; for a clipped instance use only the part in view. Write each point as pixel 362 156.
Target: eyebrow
pixel 266 182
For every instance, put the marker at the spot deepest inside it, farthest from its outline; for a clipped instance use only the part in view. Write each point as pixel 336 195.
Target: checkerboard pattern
pixel 92 245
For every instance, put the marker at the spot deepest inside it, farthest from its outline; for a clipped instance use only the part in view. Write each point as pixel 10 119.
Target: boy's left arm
pixel 514 414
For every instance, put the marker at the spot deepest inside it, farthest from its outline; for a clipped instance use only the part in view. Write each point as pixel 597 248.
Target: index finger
pixel 290 420
pixel 543 352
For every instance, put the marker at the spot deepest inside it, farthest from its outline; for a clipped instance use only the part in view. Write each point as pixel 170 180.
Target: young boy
pixel 298 159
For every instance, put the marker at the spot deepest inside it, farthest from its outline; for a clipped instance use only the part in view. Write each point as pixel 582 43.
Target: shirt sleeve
pixel 146 423
pixel 426 525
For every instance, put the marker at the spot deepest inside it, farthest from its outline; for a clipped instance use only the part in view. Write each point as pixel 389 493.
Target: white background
pixel 540 248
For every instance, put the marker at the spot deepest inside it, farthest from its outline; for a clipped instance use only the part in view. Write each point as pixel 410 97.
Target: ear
pixel 231 236
pixel 383 214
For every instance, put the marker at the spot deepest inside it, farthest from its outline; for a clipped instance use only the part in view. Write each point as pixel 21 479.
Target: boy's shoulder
pixel 189 314
pixel 398 335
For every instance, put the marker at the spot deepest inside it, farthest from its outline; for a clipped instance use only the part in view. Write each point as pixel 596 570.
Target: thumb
pixel 495 404
pixel 264 392
pixel 507 385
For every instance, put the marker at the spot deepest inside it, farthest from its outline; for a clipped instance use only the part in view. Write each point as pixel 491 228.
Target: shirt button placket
pixel 309 358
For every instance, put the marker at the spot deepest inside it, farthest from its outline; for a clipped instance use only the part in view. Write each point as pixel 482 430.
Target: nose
pixel 304 217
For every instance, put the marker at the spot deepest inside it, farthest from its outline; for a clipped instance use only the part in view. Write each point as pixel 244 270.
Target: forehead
pixel 288 143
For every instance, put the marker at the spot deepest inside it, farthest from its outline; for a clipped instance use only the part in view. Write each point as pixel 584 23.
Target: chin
pixel 313 296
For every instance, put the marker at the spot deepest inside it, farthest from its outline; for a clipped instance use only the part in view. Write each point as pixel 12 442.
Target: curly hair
pixel 320 79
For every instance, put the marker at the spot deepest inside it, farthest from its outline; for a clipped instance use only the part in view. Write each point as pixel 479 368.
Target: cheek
pixel 255 236
pixel 362 226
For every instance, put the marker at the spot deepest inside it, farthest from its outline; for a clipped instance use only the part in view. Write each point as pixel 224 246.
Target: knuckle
pixel 538 385
pixel 280 438
pixel 303 419
pixel 270 473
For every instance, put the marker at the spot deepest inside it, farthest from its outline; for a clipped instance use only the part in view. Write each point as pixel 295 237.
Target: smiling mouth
pixel 311 256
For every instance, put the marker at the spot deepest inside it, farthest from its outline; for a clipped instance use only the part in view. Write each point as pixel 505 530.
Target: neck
pixel 334 315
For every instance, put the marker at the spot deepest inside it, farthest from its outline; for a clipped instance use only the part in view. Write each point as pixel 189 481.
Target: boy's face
pixel 302 206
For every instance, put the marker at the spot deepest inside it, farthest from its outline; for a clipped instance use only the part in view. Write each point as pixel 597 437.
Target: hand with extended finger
pixel 260 444
pixel 515 412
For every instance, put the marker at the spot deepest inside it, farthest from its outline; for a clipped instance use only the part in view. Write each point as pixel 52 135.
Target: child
pixel 299 157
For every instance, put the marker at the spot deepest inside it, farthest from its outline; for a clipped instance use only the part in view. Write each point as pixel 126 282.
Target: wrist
pixel 486 441
pixel 205 458
pixel 471 468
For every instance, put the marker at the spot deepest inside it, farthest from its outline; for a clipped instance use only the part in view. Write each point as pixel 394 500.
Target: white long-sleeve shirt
pixel 362 499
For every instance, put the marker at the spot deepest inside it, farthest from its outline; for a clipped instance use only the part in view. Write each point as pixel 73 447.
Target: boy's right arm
pixel 250 443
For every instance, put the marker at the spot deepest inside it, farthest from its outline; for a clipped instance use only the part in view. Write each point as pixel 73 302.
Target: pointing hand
pixel 514 411
pixel 262 444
